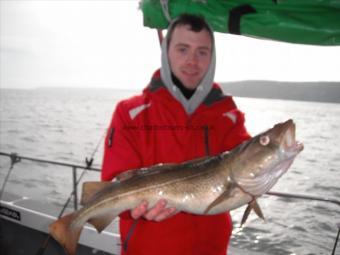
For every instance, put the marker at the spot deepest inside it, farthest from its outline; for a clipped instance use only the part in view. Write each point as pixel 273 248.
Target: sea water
pixel 68 125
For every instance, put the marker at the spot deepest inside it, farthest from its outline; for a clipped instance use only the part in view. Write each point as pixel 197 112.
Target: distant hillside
pixel 303 91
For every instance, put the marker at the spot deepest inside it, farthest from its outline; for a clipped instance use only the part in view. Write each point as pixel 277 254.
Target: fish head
pixel 262 160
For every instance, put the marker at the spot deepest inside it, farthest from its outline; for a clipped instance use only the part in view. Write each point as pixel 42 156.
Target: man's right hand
pixel 157 213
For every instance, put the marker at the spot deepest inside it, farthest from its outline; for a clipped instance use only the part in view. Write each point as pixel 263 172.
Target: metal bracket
pixel 14 159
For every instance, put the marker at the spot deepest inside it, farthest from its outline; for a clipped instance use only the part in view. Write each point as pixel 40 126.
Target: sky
pixel 103 44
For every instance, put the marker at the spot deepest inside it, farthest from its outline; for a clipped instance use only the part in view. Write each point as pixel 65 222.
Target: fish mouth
pixel 283 135
pixel 289 147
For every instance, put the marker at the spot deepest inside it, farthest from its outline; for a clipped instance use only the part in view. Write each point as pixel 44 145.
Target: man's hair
pixel 196 23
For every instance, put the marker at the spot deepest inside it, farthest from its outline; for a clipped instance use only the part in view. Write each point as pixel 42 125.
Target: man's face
pixel 189 55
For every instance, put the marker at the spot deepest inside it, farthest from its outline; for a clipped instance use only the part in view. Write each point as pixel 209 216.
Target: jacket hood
pixel 203 88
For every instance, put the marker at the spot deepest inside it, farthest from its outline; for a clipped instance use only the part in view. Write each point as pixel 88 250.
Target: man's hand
pixel 157 213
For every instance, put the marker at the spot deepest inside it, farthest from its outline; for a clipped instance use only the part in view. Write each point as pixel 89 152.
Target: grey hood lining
pixel 202 90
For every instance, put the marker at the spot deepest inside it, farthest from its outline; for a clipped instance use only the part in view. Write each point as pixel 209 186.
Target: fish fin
pixel 144 171
pixel 126 175
pixel 90 189
pixel 101 222
pixel 155 169
pixel 246 214
pixel 66 235
pixel 217 201
pixel 253 205
pixel 257 209
pixel 196 160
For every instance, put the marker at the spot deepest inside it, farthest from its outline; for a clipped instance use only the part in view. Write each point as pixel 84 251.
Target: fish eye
pixel 264 140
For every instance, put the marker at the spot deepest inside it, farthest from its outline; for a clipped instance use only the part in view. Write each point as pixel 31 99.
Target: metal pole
pixel 19 157
pixel 75 193
pixel 305 197
pixel 160 36
pixel 336 239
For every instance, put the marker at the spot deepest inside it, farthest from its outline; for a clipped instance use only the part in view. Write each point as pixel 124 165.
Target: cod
pixel 204 186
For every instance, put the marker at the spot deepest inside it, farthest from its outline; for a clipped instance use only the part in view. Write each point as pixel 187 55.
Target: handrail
pixel 15 158
pixel 75 167
pixel 50 161
pixel 301 196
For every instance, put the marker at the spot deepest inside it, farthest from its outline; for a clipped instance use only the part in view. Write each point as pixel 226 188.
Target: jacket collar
pixel 157 85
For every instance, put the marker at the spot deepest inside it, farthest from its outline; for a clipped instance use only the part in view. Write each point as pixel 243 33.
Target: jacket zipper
pixel 206 139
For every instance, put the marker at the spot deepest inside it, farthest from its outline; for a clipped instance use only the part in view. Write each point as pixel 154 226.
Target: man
pixel 181 115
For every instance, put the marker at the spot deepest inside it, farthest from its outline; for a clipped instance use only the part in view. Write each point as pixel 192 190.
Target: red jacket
pixel 154 128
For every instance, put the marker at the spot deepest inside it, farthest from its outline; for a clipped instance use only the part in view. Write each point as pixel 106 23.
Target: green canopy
pixel 297 21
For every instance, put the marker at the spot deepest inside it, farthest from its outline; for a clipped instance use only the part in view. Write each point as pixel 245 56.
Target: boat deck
pixel 24 230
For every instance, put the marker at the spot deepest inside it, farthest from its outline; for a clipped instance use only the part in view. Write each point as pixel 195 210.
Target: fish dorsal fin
pixel 145 171
pixel 102 221
pixel 253 205
pixel 90 189
pixel 155 169
pixel 196 161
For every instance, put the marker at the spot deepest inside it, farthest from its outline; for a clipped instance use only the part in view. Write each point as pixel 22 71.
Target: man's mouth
pixel 190 73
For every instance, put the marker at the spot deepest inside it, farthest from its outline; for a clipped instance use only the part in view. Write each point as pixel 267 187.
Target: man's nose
pixel 192 58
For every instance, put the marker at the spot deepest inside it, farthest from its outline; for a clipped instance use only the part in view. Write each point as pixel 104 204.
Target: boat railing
pixel 15 158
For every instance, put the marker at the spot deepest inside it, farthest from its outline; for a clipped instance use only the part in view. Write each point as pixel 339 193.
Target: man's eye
pixel 182 50
pixel 203 53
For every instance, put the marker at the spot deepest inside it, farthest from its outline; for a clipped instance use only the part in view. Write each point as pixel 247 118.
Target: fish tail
pixel 66 233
